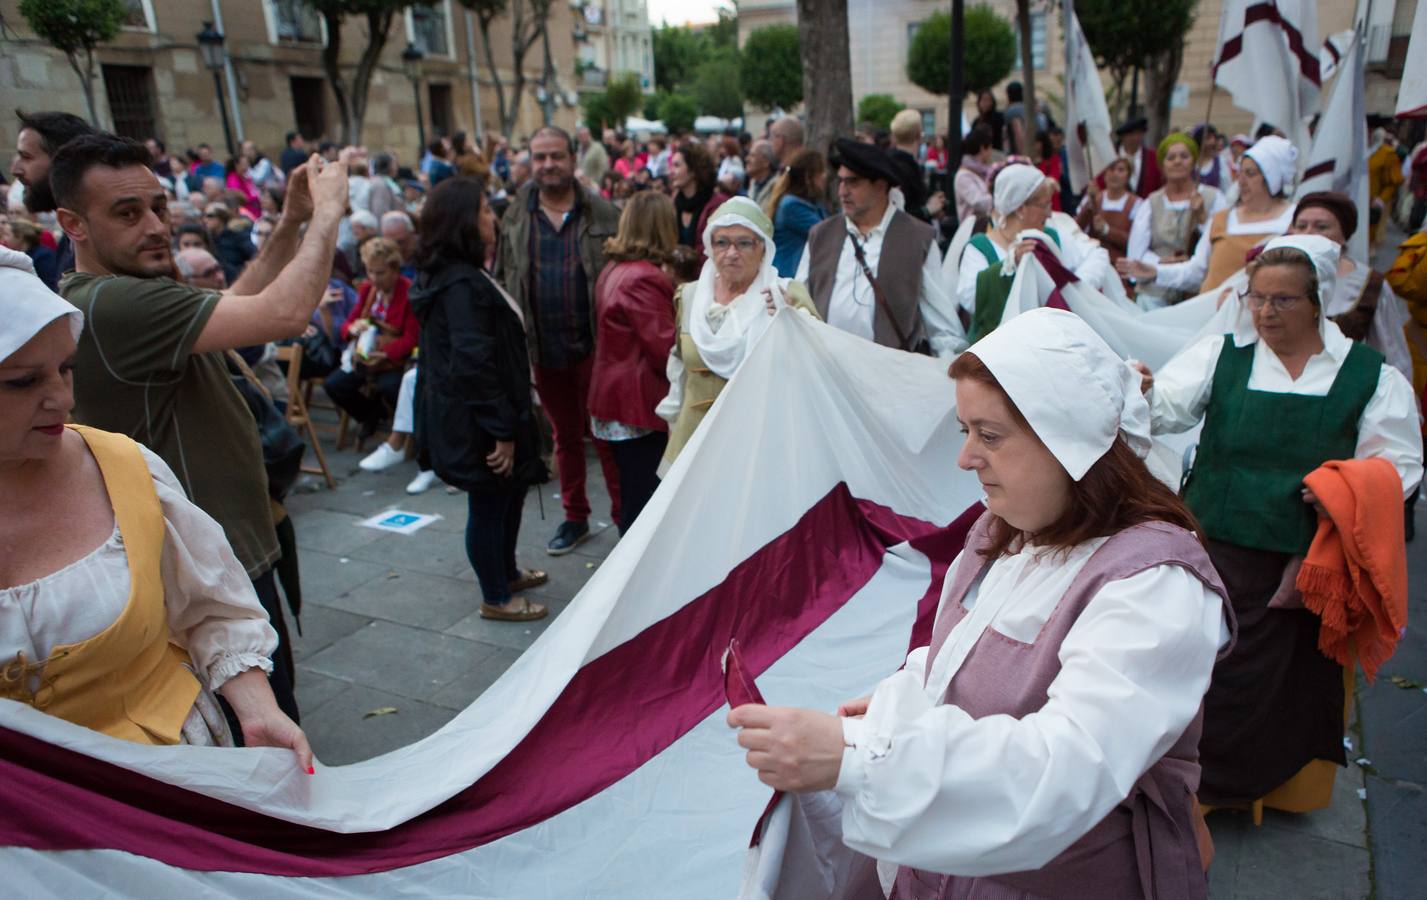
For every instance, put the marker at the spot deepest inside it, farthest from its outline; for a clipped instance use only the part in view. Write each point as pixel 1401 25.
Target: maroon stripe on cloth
pixel 1320 169
pixel 607 718
pixel 1060 276
pixel 1268 12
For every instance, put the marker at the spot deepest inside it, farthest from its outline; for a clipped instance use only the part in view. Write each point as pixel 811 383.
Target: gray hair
pixel 791 130
pixel 764 149
pixel 184 260
pixel 397 215
pixel 365 218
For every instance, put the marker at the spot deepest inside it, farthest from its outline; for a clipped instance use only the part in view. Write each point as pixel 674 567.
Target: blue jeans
pixel 492 527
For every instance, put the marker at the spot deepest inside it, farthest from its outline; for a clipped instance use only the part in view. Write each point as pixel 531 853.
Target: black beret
pixel 867 160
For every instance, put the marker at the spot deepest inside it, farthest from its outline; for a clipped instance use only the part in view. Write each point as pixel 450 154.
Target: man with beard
pixel 153 356
pixel 41 135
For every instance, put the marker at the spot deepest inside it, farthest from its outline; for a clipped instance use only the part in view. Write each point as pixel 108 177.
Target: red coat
pixel 634 332
pixel 398 315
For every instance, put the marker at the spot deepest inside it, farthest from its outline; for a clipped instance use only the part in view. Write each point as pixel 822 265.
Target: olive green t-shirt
pixel 136 373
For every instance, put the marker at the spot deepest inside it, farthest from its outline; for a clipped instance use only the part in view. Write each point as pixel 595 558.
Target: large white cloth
pixel 926 785
pixel 1338 159
pixel 1084 108
pixel 1386 334
pixel 1086 258
pixel 1269 63
pixel 1187 275
pixel 1412 92
pixel 29 305
pixel 853 307
pixel 1054 347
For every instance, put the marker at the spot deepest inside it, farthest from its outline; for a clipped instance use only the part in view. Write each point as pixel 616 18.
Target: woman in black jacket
pixel 473 409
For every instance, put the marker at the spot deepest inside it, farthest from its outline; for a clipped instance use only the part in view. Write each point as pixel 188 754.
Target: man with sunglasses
pixel 874 270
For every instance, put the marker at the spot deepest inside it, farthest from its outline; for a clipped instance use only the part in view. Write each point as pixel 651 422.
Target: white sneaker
pixel 422 482
pixel 382 458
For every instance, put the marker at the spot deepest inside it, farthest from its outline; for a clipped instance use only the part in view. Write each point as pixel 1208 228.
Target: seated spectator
pixel 187 237
pixel 381 333
pixel 397 227
pixel 239 180
pixel 231 244
pixel 199 268
pixel 24 235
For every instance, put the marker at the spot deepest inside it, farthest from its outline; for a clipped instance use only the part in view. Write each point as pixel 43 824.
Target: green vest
pixel 1257 447
pixel 992 288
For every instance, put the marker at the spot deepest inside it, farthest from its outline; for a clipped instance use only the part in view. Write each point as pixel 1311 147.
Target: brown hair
pixel 1117 492
pixel 1288 256
pixel 798 179
pixel 700 163
pixel 647 230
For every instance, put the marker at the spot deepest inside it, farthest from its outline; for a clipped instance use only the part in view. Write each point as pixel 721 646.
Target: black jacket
pixel 474 386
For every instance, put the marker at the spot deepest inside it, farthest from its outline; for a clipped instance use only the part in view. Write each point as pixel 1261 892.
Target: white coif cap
pixel 1069 385
pixel 28 306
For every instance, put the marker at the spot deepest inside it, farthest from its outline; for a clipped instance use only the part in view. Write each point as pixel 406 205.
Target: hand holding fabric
pixel 795 750
pixel 263 724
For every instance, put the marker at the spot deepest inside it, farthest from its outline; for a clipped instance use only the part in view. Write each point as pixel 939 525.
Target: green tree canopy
pixel 1124 37
pixel 877 110
pixel 624 97
pixel 75 28
pixel 680 50
pixel 677 112
pixel 988 56
pixel 717 87
pixel 772 68
pixel 597 109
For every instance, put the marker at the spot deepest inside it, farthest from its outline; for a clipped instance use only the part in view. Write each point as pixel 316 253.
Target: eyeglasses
pixel 743 245
pixel 1281 303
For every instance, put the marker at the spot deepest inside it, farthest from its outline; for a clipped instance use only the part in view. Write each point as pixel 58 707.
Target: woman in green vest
pixel 1279 397
pixel 722 315
pixel 122 607
pixel 1021 206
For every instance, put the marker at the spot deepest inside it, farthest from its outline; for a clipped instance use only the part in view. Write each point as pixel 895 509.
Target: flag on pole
pixel 1338 159
pixel 1086 115
pixel 1267 58
pixel 1412 93
pixel 1331 56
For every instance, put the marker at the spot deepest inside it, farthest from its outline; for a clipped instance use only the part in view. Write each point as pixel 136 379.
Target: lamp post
pixel 411 59
pixel 210 45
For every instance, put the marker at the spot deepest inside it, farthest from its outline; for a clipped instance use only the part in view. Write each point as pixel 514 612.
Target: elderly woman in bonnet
pixel 721 316
pixel 122 607
pixel 1043 744
pixel 1021 206
pixel 1280 396
pixel 1263 211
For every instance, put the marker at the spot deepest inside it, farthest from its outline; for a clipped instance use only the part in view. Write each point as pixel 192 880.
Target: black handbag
pixel 283 448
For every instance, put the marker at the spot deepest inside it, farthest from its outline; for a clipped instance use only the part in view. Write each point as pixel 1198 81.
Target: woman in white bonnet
pixel 1044 744
pixel 122 607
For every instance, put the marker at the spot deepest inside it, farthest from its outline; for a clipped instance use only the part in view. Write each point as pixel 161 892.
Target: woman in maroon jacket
pixel 634 332
pixel 382 308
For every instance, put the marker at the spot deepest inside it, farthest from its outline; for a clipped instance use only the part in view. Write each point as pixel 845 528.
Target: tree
pixel 352 97
pixel 827 71
pixel 624 97
pixel 677 52
pixel 1028 73
pixel 772 68
pixel 528 19
pixel 75 28
pixel 989 55
pixel 597 111
pixel 1125 37
pixel 677 112
pixel 877 110
pixel 716 86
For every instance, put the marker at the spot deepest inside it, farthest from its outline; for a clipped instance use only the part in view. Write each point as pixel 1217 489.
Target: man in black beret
pixel 1145 177
pixel 874 270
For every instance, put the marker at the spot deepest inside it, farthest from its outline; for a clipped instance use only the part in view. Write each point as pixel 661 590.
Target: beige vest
pixel 899 273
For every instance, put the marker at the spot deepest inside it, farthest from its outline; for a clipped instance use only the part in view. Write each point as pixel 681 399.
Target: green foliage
pixel 679 51
pixel 717 87
pixel 877 110
pixel 598 113
pixel 652 103
pixel 624 96
pixel 677 112
pixel 772 68
pixel 723 34
pixel 1124 36
pixel 988 54
pixel 74 26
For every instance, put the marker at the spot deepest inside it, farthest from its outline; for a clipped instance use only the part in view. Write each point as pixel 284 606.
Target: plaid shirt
pixel 559 291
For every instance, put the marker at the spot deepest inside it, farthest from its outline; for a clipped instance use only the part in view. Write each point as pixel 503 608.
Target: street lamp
pixel 210 45
pixel 411 59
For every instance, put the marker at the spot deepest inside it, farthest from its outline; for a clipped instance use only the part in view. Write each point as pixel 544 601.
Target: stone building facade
pixel 152 81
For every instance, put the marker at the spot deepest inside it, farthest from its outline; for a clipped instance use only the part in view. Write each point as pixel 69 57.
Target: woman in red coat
pixel 384 332
pixel 634 332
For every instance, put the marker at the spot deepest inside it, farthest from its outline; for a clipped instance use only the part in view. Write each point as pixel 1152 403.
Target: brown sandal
pixel 528 578
pixel 517 609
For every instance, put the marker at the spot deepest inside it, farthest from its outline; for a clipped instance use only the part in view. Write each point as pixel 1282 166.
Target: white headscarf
pixel 1323 253
pixel 1069 385
pixel 1277 159
pixel 29 306
pixel 745 318
pixel 1015 184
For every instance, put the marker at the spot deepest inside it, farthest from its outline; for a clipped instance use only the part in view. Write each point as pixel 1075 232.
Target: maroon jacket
pixel 634 332
pixel 398 315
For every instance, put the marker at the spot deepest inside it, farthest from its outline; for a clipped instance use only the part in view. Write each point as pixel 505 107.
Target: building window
pixel 309 106
pixel 131 101
pixel 294 22
pixel 1037 41
pixel 429 28
pixel 138 15
pixel 441 109
pixel 912 32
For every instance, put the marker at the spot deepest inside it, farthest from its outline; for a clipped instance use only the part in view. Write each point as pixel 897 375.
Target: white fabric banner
pixel 1267 58
pixel 1085 109
pixel 1412 92
pixel 1338 159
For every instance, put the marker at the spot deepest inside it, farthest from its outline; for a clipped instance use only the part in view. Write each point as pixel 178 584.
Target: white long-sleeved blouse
pixel 926 785
pixel 1187 276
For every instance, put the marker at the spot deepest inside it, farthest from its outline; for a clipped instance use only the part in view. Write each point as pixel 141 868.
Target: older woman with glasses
pixel 1278 397
pixel 721 316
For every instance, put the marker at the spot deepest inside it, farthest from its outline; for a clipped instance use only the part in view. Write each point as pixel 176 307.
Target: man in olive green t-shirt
pixel 151 360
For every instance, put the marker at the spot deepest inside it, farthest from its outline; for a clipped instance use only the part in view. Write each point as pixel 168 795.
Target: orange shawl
pixel 1355 574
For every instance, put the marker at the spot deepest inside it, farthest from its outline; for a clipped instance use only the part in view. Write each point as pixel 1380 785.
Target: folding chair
pixel 297 415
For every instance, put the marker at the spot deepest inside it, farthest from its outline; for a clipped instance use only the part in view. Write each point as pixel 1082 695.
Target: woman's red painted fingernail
pixel 311 771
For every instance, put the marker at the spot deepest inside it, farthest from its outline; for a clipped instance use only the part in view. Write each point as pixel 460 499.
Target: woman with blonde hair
pixel 634 316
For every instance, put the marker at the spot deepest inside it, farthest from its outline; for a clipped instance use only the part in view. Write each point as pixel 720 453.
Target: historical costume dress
pixel 1277 703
